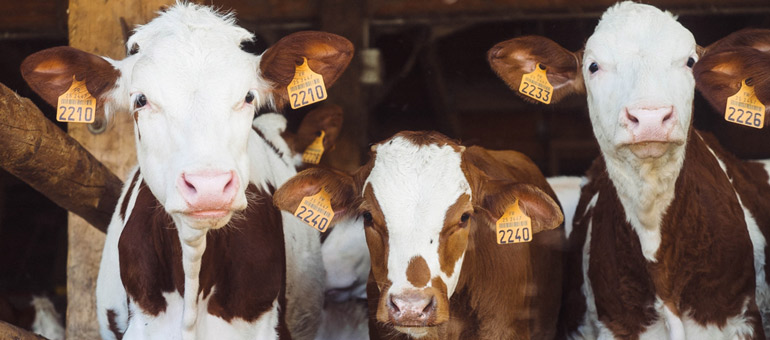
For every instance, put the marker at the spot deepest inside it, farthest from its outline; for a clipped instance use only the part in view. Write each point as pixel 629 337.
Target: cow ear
pixel 511 59
pixel 543 211
pixel 340 186
pixel 326 118
pixel 327 54
pixel 726 63
pixel 50 73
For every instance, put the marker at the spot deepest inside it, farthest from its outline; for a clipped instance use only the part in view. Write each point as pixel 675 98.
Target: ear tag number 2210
pixel 744 108
pixel 307 87
pixel 514 226
pixel 76 105
pixel 536 85
pixel 316 210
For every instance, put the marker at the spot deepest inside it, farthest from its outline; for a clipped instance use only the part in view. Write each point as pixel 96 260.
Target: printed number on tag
pixel 76 105
pixel 536 85
pixel 514 226
pixel 307 87
pixel 316 211
pixel 744 108
pixel 315 150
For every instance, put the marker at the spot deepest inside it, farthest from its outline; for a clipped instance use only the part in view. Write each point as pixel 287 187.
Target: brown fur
pixel 705 263
pixel 504 292
pixel 245 260
pixel 418 273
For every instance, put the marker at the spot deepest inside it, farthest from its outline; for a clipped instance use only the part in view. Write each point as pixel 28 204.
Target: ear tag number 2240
pixel 744 108
pixel 316 210
pixel 536 85
pixel 514 226
pixel 76 105
pixel 307 87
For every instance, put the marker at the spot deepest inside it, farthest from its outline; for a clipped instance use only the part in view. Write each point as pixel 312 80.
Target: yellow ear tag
pixel 315 150
pixel 744 108
pixel 536 85
pixel 76 105
pixel 316 210
pixel 307 87
pixel 514 226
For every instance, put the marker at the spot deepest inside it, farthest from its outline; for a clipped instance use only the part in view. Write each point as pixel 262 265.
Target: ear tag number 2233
pixel 76 105
pixel 514 226
pixel 744 108
pixel 307 87
pixel 316 210
pixel 536 85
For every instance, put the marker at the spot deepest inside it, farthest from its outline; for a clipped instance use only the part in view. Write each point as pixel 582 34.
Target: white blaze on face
pixel 638 83
pixel 415 185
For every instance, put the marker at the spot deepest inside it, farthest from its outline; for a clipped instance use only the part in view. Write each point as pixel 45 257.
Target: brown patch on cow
pixel 127 197
pixel 417 272
pixel 113 324
pixel 248 251
pixel 453 238
pixel 442 302
pixel 376 238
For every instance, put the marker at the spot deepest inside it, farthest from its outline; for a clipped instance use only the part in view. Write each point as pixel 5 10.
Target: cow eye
pixel 593 67
pixel 690 62
pixel 140 101
pixel 367 218
pixel 249 98
pixel 464 218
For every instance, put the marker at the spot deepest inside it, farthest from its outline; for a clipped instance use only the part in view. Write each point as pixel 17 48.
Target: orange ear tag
pixel 307 87
pixel 744 108
pixel 315 150
pixel 536 85
pixel 76 105
pixel 514 226
pixel 316 211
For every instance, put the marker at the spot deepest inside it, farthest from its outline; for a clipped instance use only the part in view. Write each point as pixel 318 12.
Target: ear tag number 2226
pixel 307 87
pixel 744 108
pixel 536 85
pixel 514 226
pixel 316 210
pixel 76 105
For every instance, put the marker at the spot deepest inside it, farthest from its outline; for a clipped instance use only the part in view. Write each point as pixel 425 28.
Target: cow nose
pixel 650 124
pixel 412 309
pixel 208 190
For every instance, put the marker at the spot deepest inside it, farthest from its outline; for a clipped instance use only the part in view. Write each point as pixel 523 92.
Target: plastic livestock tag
pixel 744 108
pixel 514 226
pixel 316 210
pixel 315 150
pixel 307 87
pixel 536 85
pixel 76 105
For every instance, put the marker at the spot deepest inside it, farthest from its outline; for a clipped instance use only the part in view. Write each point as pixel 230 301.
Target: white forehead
pixel 631 30
pixel 192 47
pixel 415 184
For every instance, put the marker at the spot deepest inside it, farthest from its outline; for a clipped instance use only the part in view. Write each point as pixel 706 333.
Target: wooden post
pixel 95 26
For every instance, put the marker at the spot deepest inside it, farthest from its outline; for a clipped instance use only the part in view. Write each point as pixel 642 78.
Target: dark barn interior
pixel 429 72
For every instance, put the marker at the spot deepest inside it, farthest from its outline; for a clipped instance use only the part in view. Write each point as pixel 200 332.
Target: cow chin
pixel 417 332
pixel 652 149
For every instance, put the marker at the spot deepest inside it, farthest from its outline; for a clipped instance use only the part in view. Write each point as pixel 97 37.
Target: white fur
pixel 567 190
pixel 346 259
pixel 195 78
pixel 590 325
pixel 415 186
pixel 346 320
pixel 47 322
pixel 642 55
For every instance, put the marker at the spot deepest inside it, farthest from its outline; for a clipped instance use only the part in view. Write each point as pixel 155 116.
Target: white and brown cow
pixel 429 207
pixel 195 249
pixel 670 231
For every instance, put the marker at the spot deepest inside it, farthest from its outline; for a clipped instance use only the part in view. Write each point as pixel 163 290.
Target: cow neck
pixel 645 188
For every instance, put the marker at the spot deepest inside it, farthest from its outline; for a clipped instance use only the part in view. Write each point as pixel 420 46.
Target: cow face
pixel 637 68
pixel 192 93
pixel 420 198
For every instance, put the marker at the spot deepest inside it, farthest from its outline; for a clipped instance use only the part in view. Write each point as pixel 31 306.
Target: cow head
pixel 636 70
pixel 192 93
pixel 420 200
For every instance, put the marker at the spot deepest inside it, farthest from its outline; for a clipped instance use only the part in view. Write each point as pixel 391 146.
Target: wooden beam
pixel 8 331
pixel 36 151
pixel 96 27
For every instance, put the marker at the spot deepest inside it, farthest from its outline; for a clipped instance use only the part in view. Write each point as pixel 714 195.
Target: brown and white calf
pixel 429 208
pixel 670 231
pixel 195 249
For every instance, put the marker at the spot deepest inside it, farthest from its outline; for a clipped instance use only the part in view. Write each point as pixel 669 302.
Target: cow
pixel 195 249
pixel 669 238
pixel 429 208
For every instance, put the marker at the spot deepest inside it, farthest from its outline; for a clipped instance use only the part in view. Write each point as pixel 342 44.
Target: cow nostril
pixel 188 184
pixel 668 116
pixel 393 305
pixel 429 308
pixel 632 118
